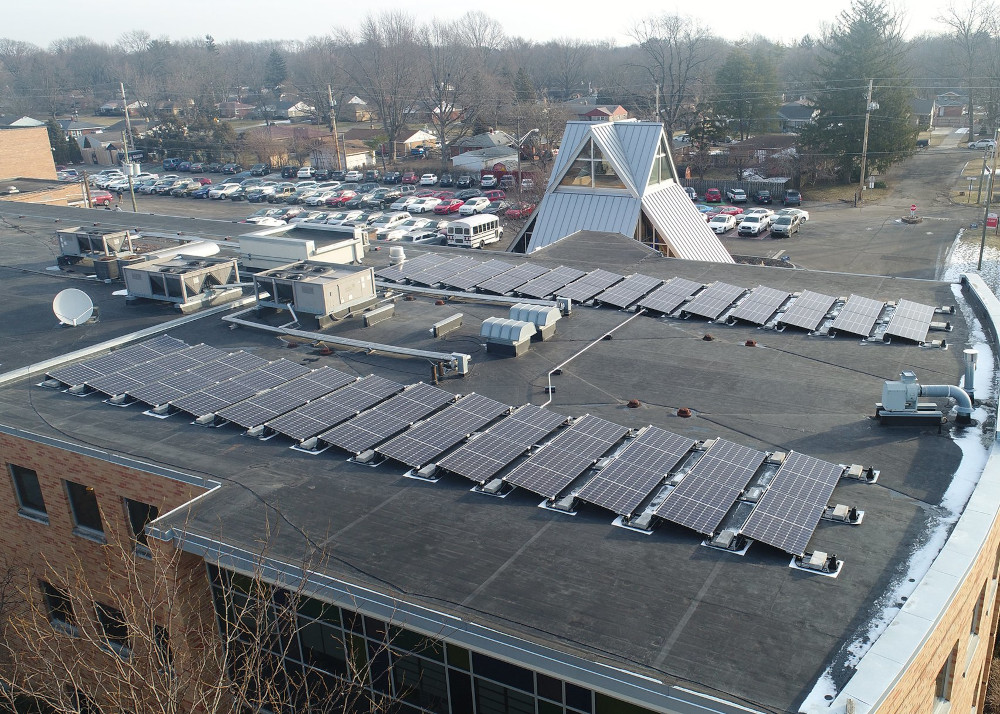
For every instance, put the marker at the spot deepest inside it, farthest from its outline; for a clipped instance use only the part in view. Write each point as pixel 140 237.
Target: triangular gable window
pixel 661 164
pixel 590 169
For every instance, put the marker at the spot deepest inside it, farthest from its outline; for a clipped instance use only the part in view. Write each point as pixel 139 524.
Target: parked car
pixel 736 195
pixel 785 226
pixel 495 194
pixel 403 203
pixel 508 181
pixel 473 206
pixel 213 168
pixel 101 198
pixel 392 177
pixel 422 236
pixel 260 170
pixel 527 184
pixel 428 179
pixel 722 223
pixel 232 169
pixel 410 177
pixel 803 215
pixel 225 190
pixel 412 224
pixel 446 180
pixel 468 193
pixel 792 198
pixel 341 198
pixel 519 210
pixel 754 224
pixel 289 171
pixel 260 213
pixel 201 191
pixel 306 172
pixel 421 205
pixel 983 144
pixel 465 181
pixel 762 197
pixel 730 211
pixel 281 193
pixel 373 175
pixel 171 164
pixel 488 181
pixel 418 152
pixel 354 175
pixel 450 206
pixel 713 195
pixel 692 194
pixel 338 217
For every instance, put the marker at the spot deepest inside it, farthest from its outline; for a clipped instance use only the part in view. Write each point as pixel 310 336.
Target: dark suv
pixel 289 171
pixel 465 181
pixel 260 170
pixel 762 197
pixel 792 198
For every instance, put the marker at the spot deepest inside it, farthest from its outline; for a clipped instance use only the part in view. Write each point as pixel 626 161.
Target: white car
pixel 428 179
pixel 722 223
pixel 759 212
pixel 224 191
pixel 474 206
pixel 488 181
pixel 527 184
pixel 412 224
pixel 266 221
pixel 338 217
pixel 404 203
pixel 423 205
pixel 306 172
pixel 353 176
pixel 318 216
pixel 754 225
pixel 803 215
pixel 983 144
pixel 736 195
pixel 390 220
pixel 390 234
pixel 423 235
pixel 318 198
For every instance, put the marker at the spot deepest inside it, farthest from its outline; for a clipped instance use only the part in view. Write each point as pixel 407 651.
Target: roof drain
pixel 550 390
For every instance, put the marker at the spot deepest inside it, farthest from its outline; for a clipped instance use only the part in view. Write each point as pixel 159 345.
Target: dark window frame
pixel 139 515
pixel 60 608
pixel 86 516
pixel 114 629
pixel 23 492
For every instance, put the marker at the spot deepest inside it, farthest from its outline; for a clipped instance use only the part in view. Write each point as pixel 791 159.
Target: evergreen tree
pixel 524 89
pixel 61 150
pixel 275 69
pixel 865 44
pixel 747 91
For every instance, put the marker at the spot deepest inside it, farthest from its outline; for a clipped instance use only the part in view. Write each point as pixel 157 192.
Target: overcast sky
pixel 43 21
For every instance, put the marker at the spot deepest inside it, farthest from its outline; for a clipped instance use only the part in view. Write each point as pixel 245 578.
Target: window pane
pixel 84 503
pixel 504 672
pixel 578 698
pixel 421 682
pixel 496 699
pixel 322 647
pixel 460 686
pixel 578 174
pixel 458 656
pixel 29 493
pixel 605 175
pixel 549 687
pixel 59 605
pixel 113 625
pixel 139 516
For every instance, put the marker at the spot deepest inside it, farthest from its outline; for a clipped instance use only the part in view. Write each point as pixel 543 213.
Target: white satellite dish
pixel 73 307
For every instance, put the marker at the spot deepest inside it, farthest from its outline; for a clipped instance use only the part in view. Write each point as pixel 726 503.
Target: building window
pixel 29 492
pixel 977 613
pixel 590 169
pixel 114 629
pixel 60 608
pixel 945 677
pixel 86 514
pixel 164 655
pixel 139 516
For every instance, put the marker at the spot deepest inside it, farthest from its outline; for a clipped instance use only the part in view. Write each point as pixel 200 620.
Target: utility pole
pixel 128 154
pixel 658 104
pixel 986 156
pixel 333 126
pixel 864 143
pixel 989 197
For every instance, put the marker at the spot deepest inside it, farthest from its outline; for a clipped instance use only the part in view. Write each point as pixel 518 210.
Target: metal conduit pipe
pixel 964 407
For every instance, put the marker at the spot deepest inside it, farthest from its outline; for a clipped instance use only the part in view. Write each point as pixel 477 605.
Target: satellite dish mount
pixel 74 307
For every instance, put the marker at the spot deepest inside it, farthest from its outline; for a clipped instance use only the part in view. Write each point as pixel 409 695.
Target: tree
pixel 524 89
pixel 746 91
pixel 971 43
pixel 865 44
pixel 275 69
pixel 672 51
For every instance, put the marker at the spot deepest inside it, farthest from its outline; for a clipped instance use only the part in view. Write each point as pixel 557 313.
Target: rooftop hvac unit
pixel 543 317
pixel 507 337
pixel 900 403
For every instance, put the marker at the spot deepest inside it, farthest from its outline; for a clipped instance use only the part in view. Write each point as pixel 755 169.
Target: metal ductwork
pixel 900 402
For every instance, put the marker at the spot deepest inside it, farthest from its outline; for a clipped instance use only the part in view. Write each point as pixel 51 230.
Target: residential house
pixel 588 109
pixel 793 116
pixel 116 108
pixel 922 113
pixel 234 109
pixel 74 128
pixel 100 149
pixel 356 109
pixel 487 140
pixel 354 154
pixel 951 104
pixel 19 121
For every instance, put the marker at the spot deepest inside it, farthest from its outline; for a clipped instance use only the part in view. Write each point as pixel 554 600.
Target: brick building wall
pixel 25 152
pixel 65 194
pixel 158 584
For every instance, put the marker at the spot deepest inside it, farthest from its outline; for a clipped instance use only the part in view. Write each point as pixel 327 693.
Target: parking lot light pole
pixel 989 197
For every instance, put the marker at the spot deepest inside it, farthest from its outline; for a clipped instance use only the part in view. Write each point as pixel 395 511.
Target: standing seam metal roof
pixel 670 210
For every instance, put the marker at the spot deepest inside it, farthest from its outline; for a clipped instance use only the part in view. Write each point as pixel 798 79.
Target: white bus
pixel 475 231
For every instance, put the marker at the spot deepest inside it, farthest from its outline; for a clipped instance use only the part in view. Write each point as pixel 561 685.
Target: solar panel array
pixel 708 491
pixel 436 273
pixel 550 282
pixel 808 310
pixel 419 445
pixel 858 315
pixel 714 300
pixel 326 412
pixel 636 471
pixel 760 305
pixel 387 419
pixel 400 272
pixel 589 285
pixel 911 320
pixel 575 449
pixel 505 282
pixel 628 291
pixel 276 401
pixel 479 273
pixel 789 510
pixel 670 295
pixel 481 458
pixel 113 362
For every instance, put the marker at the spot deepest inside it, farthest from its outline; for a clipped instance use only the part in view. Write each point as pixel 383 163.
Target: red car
pixel 449 206
pixel 713 195
pixel 104 198
pixel 520 210
pixel 730 210
pixel 425 193
pixel 410 177
pixel 495 194
pixel 341 198
pixel 443 195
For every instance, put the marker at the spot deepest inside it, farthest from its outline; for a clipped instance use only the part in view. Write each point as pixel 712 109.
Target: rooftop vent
pixel 508 337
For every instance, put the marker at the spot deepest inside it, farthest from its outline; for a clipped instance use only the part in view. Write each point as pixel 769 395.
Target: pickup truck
pixel 754 225
pixel 736 195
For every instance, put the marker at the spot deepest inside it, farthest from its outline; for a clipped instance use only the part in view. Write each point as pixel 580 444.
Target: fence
pixel 776 187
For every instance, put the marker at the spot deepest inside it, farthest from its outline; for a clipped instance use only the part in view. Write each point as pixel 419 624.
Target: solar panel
pixel 586 287
pixel 213 398
pixel 164 344
pixel 789 510
pixel 75 374
pixel 505 282
pixel 670 295
pixel 321 414
pixel 113 384
pixel 387 419
pixel 436 273
pixel 708 491
pixel 911 320
pixel 636 471
pixel 271 375
pixel 808 310
pixel 267 405
pixel 477 274
pixel 760 305
pixel 397 273
pixel 858 315
pixel 550 282
pixel 714 300
pixel 557 464
pixel 419 445
pixel 216 371
pixel 482 457
pixel 117 361
pixel 629 290
pixel 245 361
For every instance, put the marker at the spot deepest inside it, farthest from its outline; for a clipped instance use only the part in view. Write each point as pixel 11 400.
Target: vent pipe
pixel 964 408
pixel 971 357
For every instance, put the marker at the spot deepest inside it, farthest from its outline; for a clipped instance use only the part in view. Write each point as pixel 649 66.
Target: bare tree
pixel 263 145
pixel 672 55
pixel 485 35
pixel 381 65
pixel 970 36
pixel 569 65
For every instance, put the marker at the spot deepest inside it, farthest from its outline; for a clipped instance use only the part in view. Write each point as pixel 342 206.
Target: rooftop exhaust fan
pixel 900 403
